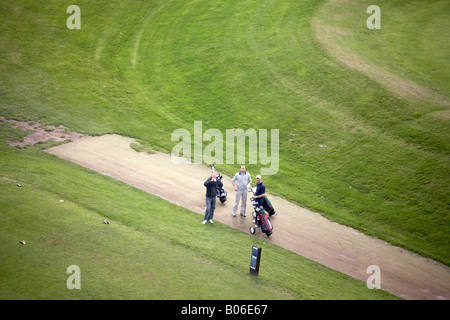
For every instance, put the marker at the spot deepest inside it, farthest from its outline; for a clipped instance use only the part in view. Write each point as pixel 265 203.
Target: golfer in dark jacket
pixel 260 193
pixel 211 185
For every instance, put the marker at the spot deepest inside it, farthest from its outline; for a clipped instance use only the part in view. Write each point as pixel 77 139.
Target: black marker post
pixel 254 263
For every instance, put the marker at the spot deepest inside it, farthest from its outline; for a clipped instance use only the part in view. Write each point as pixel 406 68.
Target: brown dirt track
pixel 307 233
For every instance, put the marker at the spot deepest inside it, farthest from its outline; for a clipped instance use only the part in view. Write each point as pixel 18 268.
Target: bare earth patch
pixel 40 133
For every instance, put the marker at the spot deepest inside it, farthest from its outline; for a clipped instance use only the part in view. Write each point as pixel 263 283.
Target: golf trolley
pixel 221 192
pixel 266 204
pixel 262 219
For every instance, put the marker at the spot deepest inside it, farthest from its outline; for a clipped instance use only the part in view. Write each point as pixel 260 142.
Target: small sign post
pixel 254 263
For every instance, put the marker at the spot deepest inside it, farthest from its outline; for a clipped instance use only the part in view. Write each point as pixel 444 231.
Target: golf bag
pixel 266 204
pixel 221 192
pixel 262 220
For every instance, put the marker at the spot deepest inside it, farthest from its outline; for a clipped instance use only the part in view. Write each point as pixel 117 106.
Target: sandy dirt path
pixel 307 233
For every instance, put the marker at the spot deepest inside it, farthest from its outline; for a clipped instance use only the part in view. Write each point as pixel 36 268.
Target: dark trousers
pixel 210 207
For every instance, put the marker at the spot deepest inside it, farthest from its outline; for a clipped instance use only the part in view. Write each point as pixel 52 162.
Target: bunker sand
pixel 307 233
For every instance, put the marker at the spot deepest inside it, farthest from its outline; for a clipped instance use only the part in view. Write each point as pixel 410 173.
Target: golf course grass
pixel 351 147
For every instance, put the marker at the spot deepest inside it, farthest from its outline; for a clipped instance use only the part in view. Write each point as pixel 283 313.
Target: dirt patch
pixel 297 229
pixel 40 133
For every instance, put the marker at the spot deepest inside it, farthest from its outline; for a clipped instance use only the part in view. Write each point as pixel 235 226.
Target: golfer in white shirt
pixel 240 182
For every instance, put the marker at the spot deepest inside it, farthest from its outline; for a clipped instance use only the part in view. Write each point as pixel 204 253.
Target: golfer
pixel 240 182
pixel 211 185
pixel 260 191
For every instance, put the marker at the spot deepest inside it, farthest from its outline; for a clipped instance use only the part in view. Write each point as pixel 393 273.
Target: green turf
pixel 147 68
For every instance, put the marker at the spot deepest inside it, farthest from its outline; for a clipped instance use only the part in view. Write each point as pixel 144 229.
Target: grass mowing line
pixel 136 44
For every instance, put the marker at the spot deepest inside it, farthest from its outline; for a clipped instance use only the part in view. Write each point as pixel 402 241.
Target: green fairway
pixel 351 147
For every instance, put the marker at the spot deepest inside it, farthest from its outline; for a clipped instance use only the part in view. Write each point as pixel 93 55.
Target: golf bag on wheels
pixel 262 220
pixel 221 192
pixel 266 204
